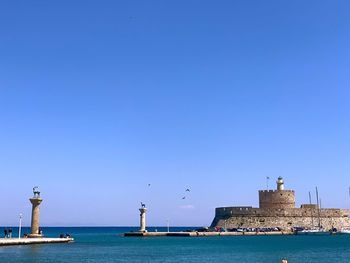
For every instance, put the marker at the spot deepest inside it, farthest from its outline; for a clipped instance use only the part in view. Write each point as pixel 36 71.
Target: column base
pixel 35 236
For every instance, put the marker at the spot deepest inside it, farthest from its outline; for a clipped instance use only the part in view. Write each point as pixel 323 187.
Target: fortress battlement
pixel 273 191
pixel 266 191
pixel 234 208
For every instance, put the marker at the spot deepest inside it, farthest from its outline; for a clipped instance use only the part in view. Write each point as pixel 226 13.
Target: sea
pixel 106 244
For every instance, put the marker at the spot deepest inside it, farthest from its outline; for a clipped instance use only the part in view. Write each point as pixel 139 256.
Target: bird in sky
pixel 149 184
pixel 188 190
pixel 183 197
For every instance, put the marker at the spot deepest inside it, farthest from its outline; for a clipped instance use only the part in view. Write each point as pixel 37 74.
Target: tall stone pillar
pixel 36 201
pixel 143 210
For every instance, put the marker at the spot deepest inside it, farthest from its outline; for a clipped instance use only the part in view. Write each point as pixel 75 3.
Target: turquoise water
pixel 106 245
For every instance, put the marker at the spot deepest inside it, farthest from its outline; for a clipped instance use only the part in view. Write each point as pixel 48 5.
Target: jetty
pixel 203 234
pixel 31 241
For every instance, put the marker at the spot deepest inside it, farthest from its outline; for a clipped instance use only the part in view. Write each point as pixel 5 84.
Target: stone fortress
pixel 277 209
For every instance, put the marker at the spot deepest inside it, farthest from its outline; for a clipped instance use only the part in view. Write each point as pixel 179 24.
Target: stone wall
pixel 233 217
pixel 301 212
pixel 276 199
pixel 309 206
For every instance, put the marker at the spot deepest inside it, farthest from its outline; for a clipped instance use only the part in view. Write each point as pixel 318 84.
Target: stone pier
pixel 33 241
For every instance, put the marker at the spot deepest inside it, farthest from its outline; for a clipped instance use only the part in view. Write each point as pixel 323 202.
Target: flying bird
pixel 188 190
pixel 184 197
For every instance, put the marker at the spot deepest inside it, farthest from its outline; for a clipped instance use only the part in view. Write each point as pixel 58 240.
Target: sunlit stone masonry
pixel 277 209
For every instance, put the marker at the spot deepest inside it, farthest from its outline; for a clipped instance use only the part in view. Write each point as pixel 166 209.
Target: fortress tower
pixel 36 201
pixel 277 209
pixel 278 198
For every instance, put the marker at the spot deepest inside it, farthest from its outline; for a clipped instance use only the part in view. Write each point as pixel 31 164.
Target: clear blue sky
pixel 100 98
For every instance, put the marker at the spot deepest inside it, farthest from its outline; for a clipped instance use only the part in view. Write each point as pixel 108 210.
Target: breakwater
pixel 31 241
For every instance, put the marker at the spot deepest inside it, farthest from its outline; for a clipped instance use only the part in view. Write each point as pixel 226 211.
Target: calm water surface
pixel 105 244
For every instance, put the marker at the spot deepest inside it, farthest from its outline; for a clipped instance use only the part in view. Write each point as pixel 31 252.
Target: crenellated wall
pixel 276 199
pixel 301 212
pixel 233 217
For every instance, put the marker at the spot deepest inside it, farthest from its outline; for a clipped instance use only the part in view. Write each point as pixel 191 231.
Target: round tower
pixel 36 201
pixel 277 199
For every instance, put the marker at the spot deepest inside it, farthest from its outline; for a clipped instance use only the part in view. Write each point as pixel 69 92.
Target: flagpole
pixel 318 209
pixel 312 214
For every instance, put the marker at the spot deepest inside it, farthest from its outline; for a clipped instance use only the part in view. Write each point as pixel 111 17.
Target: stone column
pixel 143 219
pixel 35 217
